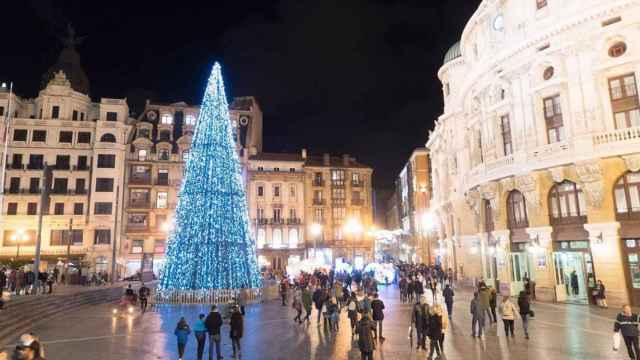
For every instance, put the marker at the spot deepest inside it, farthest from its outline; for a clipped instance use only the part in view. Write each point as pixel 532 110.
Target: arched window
pixel 190 120
pixel 627 195
pixel 517 210
pixel 166 119
pixel 108 138
pixel 567 203
pixel 261 238
pixel 276 238
pixel 488 216
pixel 293 238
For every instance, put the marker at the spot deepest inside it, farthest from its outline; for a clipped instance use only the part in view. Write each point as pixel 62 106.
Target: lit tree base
pixel 206 296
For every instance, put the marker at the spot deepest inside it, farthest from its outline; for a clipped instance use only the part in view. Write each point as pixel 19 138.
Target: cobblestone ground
pixel 557 332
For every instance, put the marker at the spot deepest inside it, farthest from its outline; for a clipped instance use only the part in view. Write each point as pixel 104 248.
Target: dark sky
pixel 339 76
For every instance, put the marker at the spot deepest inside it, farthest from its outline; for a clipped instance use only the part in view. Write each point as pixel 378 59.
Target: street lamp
pixel 316 231
pixel 18 237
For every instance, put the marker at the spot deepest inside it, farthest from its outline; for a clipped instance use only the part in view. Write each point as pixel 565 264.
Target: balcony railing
pixel 294 221
pixel 36 166
pixel 318 201
pixel 62 166
pixel 162 182
pixel 357 202
pixel 15 166
pixel 617 136
pixel 140 180
pixel 277 221
pixel 262 221
pixel 358 184
pixel 317 182
pixel 80 167
pixel 140 204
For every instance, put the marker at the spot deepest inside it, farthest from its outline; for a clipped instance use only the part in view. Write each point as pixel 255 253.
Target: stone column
pixel 543 265
pixel 503 260
pixel 606 250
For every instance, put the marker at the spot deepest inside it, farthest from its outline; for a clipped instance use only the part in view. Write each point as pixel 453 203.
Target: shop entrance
pixel 521 269
pixel 491 267
pixel 632 268
pixel 574 274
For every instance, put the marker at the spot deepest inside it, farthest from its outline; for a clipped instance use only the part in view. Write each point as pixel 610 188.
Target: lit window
pixel 261 238
pixel 137 246
pixel 190 120
pixel 185 155
pixel 277 238
pixel 166 119
pixel 260 191
pixel 293 238
pixel 142 155
pixel 161 201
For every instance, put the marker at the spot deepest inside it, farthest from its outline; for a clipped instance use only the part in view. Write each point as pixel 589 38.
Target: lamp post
pixel 17 238
pixel 316 231
pixel 354 228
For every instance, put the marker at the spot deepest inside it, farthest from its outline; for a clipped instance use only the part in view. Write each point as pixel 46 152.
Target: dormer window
pixel 190 120
pixel 166 119
pixel 164 154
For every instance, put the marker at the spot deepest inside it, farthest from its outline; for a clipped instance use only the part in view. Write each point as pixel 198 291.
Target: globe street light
pixel 18 237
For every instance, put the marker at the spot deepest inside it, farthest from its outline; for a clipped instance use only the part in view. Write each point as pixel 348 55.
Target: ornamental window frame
pixel 505 130
pixel 517 217
pixel 554 120
pixel 567 203
pixel 166 119
pixel 618 49
pixel 627 188
pixel 625 103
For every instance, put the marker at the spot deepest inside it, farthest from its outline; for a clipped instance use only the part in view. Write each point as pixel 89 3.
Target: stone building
pixel 338 202
pixel 535 158
pixel 84 142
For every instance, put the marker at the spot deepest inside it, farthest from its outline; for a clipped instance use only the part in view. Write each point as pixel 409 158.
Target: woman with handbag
pixel 525 311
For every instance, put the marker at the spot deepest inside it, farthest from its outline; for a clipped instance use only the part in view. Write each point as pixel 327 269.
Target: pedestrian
pixel 352 312
pixel 284 288
pixel 420 321
pixel 448 295
pixel 377 307
pixel 318 300
pixel 418 288
pixel 485 302
pixel 525 310
pixel 410 291
pixel 493 299
pixel 28 348
pixel 200 331
pixel 366 342
pixel 437 326
pixel 574 283
pixel 477 316
pixel 508 312
pixel 50 282
pixel 182 335
pixel 307 302
pixel 333 310
pixel 143 295
pixel 236 330
pixel 433 285
pixel 600 296
pixel 213 323
pixel 627 325
pixel 242 299
pixel 297 306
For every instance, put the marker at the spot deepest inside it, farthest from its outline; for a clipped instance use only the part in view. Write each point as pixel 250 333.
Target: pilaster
pixel 606 251
pixel 543 267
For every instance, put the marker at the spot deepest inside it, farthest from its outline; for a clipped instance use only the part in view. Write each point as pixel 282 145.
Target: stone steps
pixel 24 313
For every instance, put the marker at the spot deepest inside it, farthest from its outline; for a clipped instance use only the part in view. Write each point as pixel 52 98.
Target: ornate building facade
pixel 536 156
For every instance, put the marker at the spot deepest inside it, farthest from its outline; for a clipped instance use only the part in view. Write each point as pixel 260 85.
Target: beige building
pixel 275 194
pixel 536 156
pixel 338 202
pixel 85 144
pixel 155 165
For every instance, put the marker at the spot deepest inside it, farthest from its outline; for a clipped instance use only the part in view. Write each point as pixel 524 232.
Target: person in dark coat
pixel 601 297
pixel 448 295
pixel 627 324
pixel 213 323
pixel 237 328
pixel 524 310
pixel 319 297
pixel 366 342
pixel 182 335
pixel 574 283
pixel 493 299
pixel 377 307
pixel 477 316
pixel 420 321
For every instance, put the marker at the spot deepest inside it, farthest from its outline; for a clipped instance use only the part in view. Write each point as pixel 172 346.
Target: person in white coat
pixel 508 312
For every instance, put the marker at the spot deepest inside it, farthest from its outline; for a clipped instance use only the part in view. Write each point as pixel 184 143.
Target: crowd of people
pixel 22 281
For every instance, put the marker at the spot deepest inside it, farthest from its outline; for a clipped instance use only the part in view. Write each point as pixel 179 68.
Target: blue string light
pixel 210 246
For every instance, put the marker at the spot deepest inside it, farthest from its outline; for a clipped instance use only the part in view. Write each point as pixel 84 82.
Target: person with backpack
pixel 200 330
pixel 236 324
pixel 319 298
pixel 437 326
pixel 297 305
pixel 377 307
pixel 307 302
pixel 508 312
pixel 366 342
pixel 627 325
pixel 448 295
pixel 525 312
pixel 420 321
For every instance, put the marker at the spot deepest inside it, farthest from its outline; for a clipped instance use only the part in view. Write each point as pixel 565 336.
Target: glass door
pixel 491 267
pixel 519 270
pixel 632 268
pixel 571 277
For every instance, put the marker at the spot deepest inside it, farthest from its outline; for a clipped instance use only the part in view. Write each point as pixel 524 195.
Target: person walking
pixel 600 296
pixel 437 326
pixel 525 310
pixel 377 307
pixel 508 312
pixel 420 321
pixel 143 295
pixel 433 285
pixel 318 300
pixel 627 325
pixel 574 283
pixel 307 302
pixel 297 306
pixel 366 343
pixel 493 299
pixel 236 330
pixel 284 289
pixel 477 316
pixel 213 323
pixel 448 295
pixel 352 312
pixel 200 330
pixel 182 334
pixel 485 302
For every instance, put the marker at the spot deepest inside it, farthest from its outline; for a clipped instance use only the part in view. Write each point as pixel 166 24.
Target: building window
pixel 139 198
pixel 624 101
pixel 503 94
pixel 338 215
pixel 84 137
pixel 112 116
pixel 517 210
pixel 32 208
pixel 12 208
pixel 277 215
pixel 317 179
pixel 108 138
pixel 190 120
pixel 338 194
pixel 164 155
pixel 618 49
pixel 61 237
pixel 292 170
pixel 276 190
pixel 260 213
pixel 488 217
pixel 55 112
pixel 317 197
pixel 337 233
pixel 142 155
pixel 166 119
pixel 14 185
pixel 161 199
pixel 58 209
pixel 277 238
pixel 137 221
pixel 102 237
pixel 63 162
pixel 74 115
pixel 34 185
pixel 163 177
pixel 553 119
pixel 39 136
pixel 104 184
pixel 541 4
pixel 19 135
pixel 60 185
pixel 337 177
pixel 293 238
pixel 107 161
pixel 261 238
pixel 82 163
pixel 1 110
pixel 103 208
pixel 276 169
pixel 567 201
pixel 355 179
pixel 78 209
pixel 548 73
pixel 36 162
pixel 65 137
pixel 80 186
pixel 260 191
pixel 292 191
pixel 159 246
pixel 260 168
pixel 165 135
pixel 506 135
pixel 318 215
pixel 143 133
pixel 16 162
pixel 627 194
pixel 81 116
pixel 185 156
pixel 137 246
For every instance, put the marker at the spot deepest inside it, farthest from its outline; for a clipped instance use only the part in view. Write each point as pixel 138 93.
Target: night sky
pixel 339 76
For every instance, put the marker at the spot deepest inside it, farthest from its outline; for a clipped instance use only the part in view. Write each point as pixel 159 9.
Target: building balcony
pixel 162 182
pixel 337 184
pixel 80 167
pixel 317 182
pixel 139 204
pixel 294 221
pixel 68 192
pixel 357 202
pixel 262 221
pixel 140 180
pixel 137 228
pixel 357 184
pixel 60 250
pixel 318 202
pixel 35 166
pixel 276 221
pixel 61 167
pixel 15 166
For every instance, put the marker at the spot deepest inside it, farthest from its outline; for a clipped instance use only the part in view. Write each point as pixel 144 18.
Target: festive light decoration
pixel 210 248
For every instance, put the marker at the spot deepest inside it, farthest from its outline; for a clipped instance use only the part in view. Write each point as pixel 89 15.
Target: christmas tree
pixel 211 253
